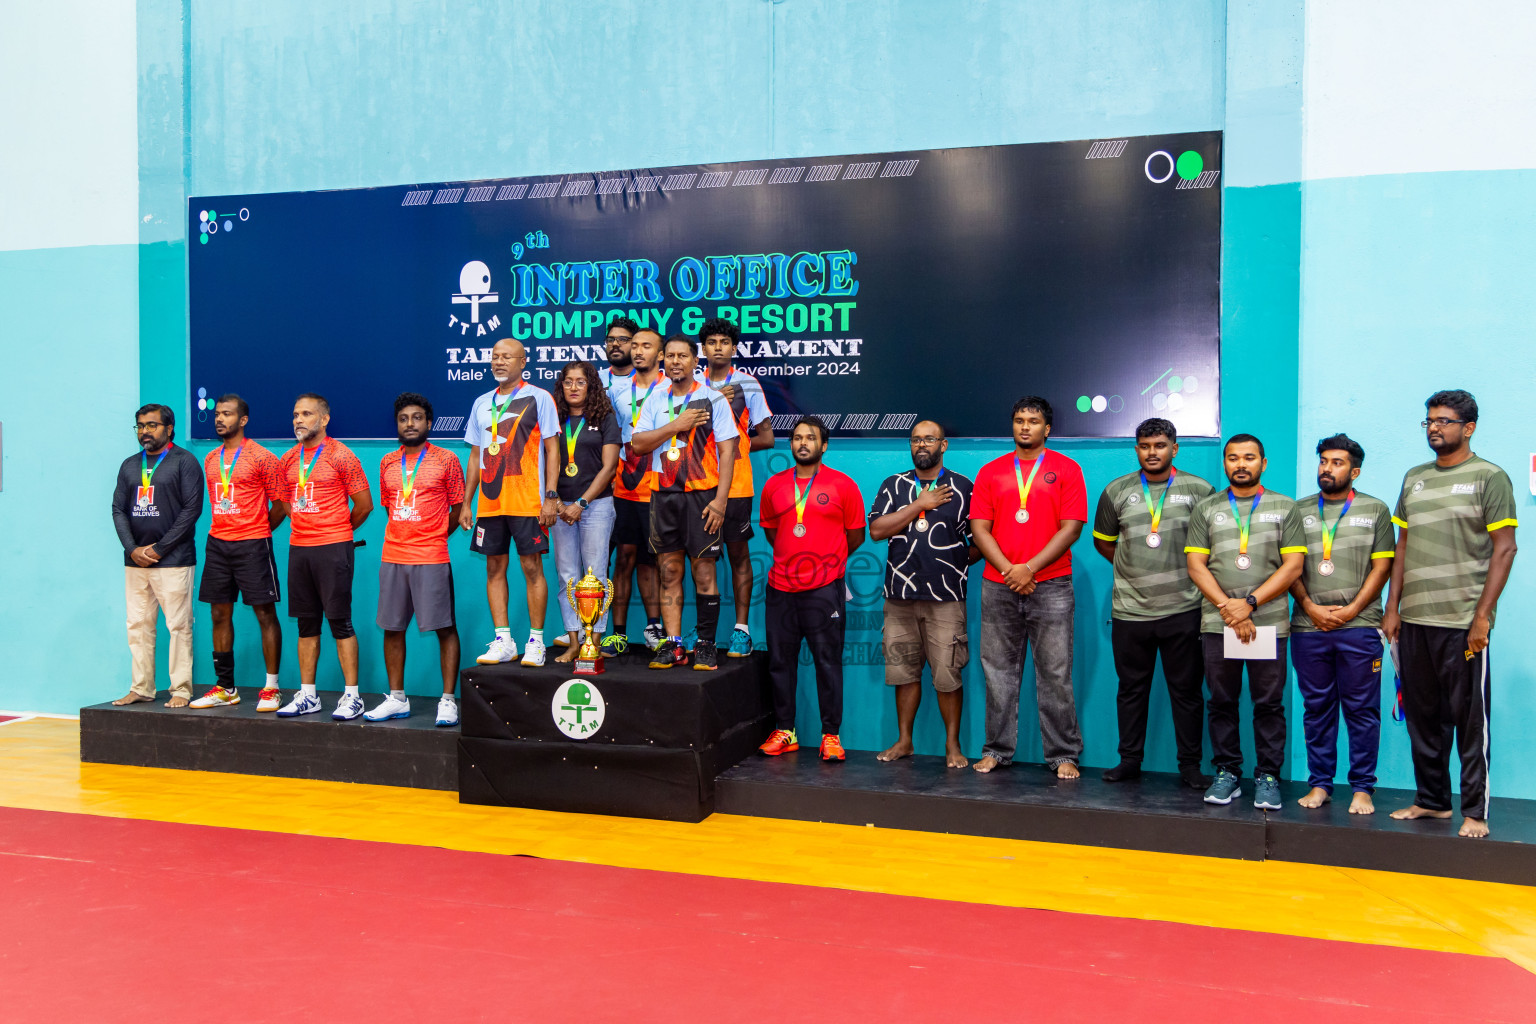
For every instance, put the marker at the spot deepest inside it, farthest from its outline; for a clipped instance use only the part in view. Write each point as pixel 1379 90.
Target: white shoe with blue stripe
pixel 302 704
pixel 390 707
pixel 348 708
pixel 447 710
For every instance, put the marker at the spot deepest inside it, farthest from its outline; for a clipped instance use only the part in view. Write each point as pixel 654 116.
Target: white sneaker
pixel 654 635
pixel 218 697
pixel 390 707
pixel 302 704
pixel 501 650
pixel 269 699
pixel 447 710
pixel 348 708
pixel 533 653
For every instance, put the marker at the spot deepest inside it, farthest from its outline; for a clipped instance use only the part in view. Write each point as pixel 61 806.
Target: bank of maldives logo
pixel 474 291
pixel 578 709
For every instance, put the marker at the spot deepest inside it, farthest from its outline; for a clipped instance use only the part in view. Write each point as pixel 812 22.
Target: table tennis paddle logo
pixel 474 291
pixel 578 709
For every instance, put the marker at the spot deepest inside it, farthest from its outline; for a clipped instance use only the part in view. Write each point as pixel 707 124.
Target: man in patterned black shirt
pixel 924 514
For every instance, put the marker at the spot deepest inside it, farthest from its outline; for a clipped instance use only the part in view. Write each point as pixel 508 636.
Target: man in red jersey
pixel 1027 510
pixel 814 519
pixel 320 477
pixel 245 491
pixel 422 490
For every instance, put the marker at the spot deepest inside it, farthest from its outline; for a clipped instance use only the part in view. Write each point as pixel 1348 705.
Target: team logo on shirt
pixel 1309 521
pixel 1418 485
pixel 578 709
pixel 224 500
pixel 304 499
pixel 1134 499
pixel 1463 488
pixel 405 511
pixel 144 501
pixel 474 290
pixel 1366 521
pixel 1219 518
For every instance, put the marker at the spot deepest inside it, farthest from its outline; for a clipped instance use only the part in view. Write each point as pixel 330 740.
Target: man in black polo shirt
pixel 924 513
pixel 158 498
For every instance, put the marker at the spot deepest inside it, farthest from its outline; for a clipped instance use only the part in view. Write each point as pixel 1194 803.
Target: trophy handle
pixel 607 597
pixel 570 590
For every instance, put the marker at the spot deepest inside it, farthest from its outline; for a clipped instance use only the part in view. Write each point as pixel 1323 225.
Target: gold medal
pixel 494 448
pixel 674 454
pixel 570 469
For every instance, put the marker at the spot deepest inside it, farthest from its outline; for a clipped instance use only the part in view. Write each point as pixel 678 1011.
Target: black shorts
pixel 632 526
pixel 738 520
pixel 677 524
pixel 497 535
pixel 320 580
pixel 242 568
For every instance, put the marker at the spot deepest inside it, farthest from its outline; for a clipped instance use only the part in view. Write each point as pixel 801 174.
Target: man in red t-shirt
pixel 814 519
pixel 1027 510
pixel 421 487
pixel 320 476
pixel 245 491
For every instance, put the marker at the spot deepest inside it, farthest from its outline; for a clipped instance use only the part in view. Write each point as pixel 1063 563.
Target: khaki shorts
pixel 926 631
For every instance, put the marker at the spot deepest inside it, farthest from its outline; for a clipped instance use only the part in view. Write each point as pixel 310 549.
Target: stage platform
pixel 405 752
pixel 1154 813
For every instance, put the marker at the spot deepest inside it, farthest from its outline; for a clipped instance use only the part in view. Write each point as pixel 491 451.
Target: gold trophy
pixel 590 597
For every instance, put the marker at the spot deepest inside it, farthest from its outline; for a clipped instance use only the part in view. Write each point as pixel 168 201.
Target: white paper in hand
pixel 1260 648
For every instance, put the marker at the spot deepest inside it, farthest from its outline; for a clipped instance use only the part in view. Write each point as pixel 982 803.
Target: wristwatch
pixel 551 495
pixel 1253 602
pixel 582 502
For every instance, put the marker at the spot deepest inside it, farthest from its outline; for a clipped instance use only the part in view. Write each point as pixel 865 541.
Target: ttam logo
pixel 474 289
pixel 578 708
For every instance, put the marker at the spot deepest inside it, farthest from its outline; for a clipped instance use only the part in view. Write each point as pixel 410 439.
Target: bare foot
pixel 1361 803
pixel 177 702
pixel 954 759
pixel 1413 811
pixel 1316 797
pixel 567 657
pixel 896 751
pixel 1067 770
pixel 986 764
pixel 1473 828
pixel 132 698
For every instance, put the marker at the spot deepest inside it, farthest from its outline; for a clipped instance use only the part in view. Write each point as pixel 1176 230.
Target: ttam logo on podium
pixel 578 709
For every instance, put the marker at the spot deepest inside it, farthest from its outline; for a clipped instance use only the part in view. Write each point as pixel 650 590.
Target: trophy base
pixel 593 667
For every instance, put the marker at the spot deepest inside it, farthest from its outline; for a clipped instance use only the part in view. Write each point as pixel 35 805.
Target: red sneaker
pixel 832 748
pixel 781 741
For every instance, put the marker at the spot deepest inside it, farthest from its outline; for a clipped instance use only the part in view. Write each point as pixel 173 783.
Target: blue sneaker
pixel 302 704
pixel 1225 789
pixel 691 639
pixel 1266 793
pixel 614 644
pixel 741 644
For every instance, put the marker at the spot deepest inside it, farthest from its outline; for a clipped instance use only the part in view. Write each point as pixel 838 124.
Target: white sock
pixel 397 694
pixel 743 627
pixel 271 680
pixel 352 692
pixel 504 632
pixel 308 688
pixel 536 636
pixel 447 697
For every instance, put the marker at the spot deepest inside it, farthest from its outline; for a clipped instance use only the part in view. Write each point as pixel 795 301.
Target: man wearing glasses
pixel 925 514
pixel 1456 517
pixel 621 335
pixel 158 498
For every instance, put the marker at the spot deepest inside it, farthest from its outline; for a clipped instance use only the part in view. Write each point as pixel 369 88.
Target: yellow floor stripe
pixel 40 769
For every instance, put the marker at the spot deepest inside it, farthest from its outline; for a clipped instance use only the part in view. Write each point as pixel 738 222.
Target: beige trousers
pixel 150 591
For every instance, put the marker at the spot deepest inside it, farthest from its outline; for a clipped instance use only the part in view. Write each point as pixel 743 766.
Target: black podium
pixel 649 742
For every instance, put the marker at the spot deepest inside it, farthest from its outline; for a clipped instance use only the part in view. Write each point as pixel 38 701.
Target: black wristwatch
pixel 582 502
pixel 1253 602
pixel 551 495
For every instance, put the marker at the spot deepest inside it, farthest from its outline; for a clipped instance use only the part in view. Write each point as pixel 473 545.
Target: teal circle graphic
pixel 1175 384
pixel 1084 403
pixel 1190 165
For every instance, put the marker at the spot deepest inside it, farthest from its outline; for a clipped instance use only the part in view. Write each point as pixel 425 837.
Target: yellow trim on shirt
pixel 1198 551
pixel 1105 536
pixel 1287 551
pixel 1384 554
pixel 1502 523
pixel 1400 522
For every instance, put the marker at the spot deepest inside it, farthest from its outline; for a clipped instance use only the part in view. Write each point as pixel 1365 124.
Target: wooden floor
pixel 40 769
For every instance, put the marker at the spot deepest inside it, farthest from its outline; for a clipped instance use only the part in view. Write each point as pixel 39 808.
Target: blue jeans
pixel 1009 625
pixel 1340 668
pixel 579 548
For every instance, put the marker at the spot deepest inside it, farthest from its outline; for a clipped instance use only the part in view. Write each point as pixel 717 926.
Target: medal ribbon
pixel 635 407
pixel 929 485
pixel 1323 523
pixel 1025 485
pixel 497 411
pixel 1242 527
pixel 1157 510
pixel 570 438
pixel 146 471
pixel 408 479
pixel 802 499
pixel 673 410
pixel 304 473
pixel 226 475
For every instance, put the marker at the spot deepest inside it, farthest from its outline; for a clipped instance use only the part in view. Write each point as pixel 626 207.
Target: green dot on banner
pixel 203 238
pixel 1190 165
pixel 214 216
pixel 1175 384
pixel 1084 403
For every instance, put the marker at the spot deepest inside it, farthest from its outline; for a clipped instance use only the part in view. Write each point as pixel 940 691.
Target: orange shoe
pixel 832 748
pixel 780 741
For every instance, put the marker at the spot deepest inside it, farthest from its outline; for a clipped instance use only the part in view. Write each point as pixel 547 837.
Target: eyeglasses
pixel 141 427
pixel 613 338
pixel 1440 421
pixel 927 442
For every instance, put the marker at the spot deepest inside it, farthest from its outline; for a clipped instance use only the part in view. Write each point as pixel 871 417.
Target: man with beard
pixel 632 499
pixel 320 476
pixel 1244 549
pixel 621 336
pixel 1335 646
pixel 1027 510
pixel 753 423
pixel 814 519
pixel 685 429
pixel 924 514
pixel 513 433
pixel 1155 609
pixel 421 487
pixel 155 506
pixel 1454 552
pixel 246 492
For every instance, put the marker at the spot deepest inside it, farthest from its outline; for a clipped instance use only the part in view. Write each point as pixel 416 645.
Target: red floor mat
pixel 105 919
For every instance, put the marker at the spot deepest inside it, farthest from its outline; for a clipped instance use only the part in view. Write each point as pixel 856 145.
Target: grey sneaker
pixel 1225 789
pixel 1266 793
